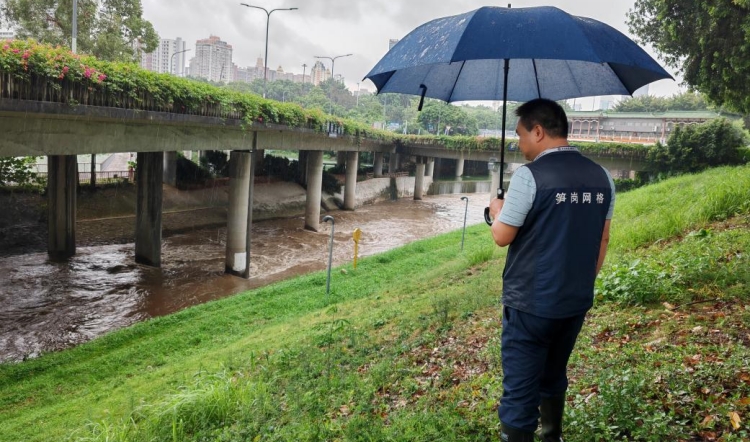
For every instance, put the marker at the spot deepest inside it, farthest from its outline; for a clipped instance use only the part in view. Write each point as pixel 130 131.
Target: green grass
pixel 406 347
pixel 677 205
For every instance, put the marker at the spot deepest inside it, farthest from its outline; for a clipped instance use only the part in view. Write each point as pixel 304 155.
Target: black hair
pixel 546 113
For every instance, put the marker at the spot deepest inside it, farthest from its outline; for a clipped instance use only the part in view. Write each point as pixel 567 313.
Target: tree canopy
pixel 708 42
pixel 108 29
pixel 687 101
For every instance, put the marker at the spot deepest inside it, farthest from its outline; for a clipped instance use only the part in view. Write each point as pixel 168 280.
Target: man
pixel 556 219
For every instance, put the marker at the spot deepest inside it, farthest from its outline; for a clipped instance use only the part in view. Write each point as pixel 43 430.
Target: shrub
pixel 695 148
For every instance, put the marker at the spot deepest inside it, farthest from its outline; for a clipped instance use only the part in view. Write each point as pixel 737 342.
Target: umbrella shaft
pixel 506 68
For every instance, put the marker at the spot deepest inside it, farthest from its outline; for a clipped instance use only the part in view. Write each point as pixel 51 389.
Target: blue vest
pixel 551 264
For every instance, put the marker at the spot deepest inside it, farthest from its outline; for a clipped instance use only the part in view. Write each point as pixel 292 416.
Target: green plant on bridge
pixel 33 71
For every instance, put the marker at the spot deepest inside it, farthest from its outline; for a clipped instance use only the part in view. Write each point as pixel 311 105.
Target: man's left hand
pixel 495 206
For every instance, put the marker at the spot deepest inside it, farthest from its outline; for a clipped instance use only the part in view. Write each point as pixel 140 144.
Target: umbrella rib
pixel 536 78
pixel 450 97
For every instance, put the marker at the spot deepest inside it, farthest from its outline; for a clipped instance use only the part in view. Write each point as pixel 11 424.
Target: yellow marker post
pixel 357 235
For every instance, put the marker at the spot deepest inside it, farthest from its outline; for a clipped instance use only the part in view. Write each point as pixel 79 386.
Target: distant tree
pixel 436 116
pixel 107 29
pixel 707 41
pixel 487 118
pixel 646 103
pixel 283 90
pixel 315 99
pixel 694 148
pixel 254 87
pixel 686 101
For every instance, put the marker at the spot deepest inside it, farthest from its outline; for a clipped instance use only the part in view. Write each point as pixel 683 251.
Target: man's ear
pixel 538 133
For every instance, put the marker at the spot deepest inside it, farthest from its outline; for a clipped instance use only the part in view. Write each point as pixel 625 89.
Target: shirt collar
pixel 557 149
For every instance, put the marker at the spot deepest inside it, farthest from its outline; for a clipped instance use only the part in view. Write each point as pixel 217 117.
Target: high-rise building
pixel 319 73
pixel 213 60
pixel 642 92
pixel 392 42
pixel 164 60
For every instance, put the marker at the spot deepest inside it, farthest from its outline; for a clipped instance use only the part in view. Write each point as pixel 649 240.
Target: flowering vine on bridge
pixel 33 71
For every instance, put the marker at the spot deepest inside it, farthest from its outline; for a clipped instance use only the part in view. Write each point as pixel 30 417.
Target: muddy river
pixel 46 306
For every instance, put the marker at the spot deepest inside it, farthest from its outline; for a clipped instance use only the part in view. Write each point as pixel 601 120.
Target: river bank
pixel 50 306
pixel 406 347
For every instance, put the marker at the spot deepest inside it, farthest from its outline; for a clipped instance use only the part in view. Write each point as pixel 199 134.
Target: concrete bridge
pixel 61 131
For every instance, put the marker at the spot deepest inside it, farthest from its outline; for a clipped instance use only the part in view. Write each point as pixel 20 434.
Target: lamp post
pixel 358 94
pixel 333 61
pixel 330 251
pixel 304 69
pixel 268 20
pixel 171 59
pixel 74 40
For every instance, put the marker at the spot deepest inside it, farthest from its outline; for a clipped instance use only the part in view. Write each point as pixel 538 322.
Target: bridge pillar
pixel 460 166
pixel 350 185
pixel 240 172
pixel 170 168
pixel 430 171
pixel 314 189
pixel 419 179
pixel 148 208
pixel 377 167
pixel 61 206
pixel 392 162
pixel 302 165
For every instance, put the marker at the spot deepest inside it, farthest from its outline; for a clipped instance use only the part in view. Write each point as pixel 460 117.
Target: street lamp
pixel 268 19
pixel 74 40
pixel 333 61
pixel 171 59
pixel 358 94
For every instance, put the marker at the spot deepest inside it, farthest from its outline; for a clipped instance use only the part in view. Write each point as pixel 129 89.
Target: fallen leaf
pixel 735 419
pixel 744 401
pixel 707 420
pixel 668 306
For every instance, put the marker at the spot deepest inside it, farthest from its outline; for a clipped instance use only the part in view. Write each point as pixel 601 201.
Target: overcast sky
pixel 336 27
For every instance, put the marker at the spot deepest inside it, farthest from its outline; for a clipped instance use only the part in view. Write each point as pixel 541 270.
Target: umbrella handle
pixel 487 218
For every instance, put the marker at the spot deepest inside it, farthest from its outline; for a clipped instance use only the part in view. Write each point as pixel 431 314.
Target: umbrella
pixel 495 53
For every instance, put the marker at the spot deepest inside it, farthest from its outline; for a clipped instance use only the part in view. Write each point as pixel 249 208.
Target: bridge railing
pixel 105 177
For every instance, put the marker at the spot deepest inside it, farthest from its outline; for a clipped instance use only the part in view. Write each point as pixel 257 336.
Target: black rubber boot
pixel 551 410
pixel 510 434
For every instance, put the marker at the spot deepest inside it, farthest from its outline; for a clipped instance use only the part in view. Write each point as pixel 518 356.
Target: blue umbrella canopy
pixel 550 53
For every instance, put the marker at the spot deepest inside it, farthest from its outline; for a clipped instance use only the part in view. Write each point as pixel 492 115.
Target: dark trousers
pixel 535 354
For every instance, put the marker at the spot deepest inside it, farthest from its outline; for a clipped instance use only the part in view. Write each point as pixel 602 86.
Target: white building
pixel 319 73
pixel 167 57
pixel 642 92
pixel 213 60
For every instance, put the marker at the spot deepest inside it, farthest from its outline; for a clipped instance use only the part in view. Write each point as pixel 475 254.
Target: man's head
pixel 542 124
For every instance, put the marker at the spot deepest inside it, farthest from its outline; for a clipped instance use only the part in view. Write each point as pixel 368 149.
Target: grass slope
pixel 406 347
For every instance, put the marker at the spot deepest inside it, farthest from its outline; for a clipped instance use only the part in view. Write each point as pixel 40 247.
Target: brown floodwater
pixel 47 306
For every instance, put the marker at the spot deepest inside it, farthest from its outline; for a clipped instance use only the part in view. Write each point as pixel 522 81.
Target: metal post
pixel 248 236
pixel 333 62
pixel 268 21
pixel 74 42
pixel 330 251
pixel 466 210
pixel 171 59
